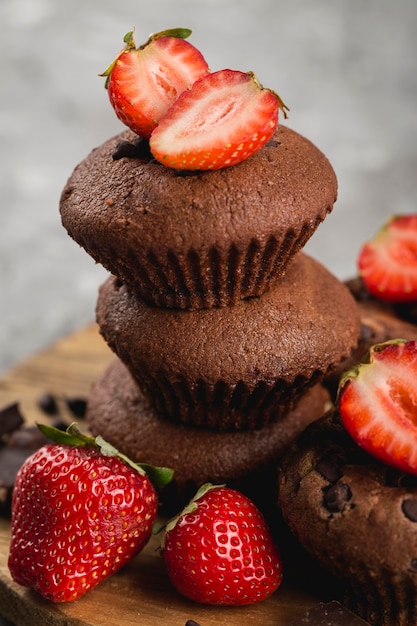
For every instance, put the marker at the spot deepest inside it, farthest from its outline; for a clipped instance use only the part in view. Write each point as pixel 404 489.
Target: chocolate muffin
pixel 235 367
pixel 357 517
pixel 120 412
pixel 198 240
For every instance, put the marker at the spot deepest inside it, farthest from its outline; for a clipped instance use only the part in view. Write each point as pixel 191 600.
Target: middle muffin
pixel 236 367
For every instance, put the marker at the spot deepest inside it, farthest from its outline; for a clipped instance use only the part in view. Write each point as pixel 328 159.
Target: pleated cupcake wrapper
pixel 221 406
pixel 383 599
pixel 204 280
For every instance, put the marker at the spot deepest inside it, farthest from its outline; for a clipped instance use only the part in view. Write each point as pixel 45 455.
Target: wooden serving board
pixel 141 593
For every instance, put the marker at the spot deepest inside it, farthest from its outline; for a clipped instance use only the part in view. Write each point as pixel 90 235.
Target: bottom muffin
pixel 246 460
pixel 357 517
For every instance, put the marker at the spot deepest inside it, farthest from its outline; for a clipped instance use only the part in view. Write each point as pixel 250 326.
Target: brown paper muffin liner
pixel 382 599
pixel 207 279
pixel 221 406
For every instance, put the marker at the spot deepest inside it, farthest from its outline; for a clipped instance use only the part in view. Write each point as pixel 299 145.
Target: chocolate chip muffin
pixel 197 240
pixel 237 367
pixel 119 411
pixel 357 517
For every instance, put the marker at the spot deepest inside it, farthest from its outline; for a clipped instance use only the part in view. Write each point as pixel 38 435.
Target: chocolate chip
pixel 407 312
pixel 47 404
pixel 358 289
pixel 395 478
pixel 10 419
pixel 367 332
pixel 77 406
pixel 329 614
pixel 136 149
pixel 409 508
pixel 413 564
pixel 191 622
pixel 336 497
pixel 329 470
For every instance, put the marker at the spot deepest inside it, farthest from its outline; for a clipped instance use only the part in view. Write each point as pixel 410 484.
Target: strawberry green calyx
pixel 179 33
pixel 367 359
pixel 189 508
pixel 72 436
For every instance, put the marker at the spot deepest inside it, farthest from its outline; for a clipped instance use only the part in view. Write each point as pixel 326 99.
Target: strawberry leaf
pixel 159 476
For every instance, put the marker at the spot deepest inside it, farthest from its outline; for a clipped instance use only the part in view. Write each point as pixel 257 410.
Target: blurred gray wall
pixel 347 69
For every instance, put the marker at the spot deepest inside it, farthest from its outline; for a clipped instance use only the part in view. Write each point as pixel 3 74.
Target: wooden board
pixel 141 593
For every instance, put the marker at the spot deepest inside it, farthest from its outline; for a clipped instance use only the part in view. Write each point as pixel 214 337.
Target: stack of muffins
pixel 222 326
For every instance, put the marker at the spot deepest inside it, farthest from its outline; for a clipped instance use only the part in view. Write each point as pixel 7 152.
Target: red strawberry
pixel 378 403
pixel 222 120
pixel 143 82
pixel 388 263
pixel 220 551
pixel 79 514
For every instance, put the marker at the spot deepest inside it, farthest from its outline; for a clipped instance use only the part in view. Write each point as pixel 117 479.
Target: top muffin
pixel 198 240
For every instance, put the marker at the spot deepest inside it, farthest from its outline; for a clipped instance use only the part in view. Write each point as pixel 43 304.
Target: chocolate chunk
pixel 77 406
pixel 136 149
pixel 10 419
pixel 329 470
pixel 336 497
pixel 329 614
pixel 31 438
pixel 357 288
pixel 19 446
pixel 413 564
pixel 191 622
pixel 367 333
pixel 409 508
pixel 395 478
pixel 48 404
pixel 407 311
pixel 11 460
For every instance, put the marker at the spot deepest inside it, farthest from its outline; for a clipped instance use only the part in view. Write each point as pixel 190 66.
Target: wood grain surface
pixel 141 594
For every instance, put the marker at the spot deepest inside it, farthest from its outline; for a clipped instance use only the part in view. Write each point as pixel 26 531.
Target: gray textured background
pixel 347 69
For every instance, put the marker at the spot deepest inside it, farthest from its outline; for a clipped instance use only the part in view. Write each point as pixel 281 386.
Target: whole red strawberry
pixel 219 550
pixel 143 82
pixel 388 262
pixel 223 119
pixel 79 514
pixel 378 403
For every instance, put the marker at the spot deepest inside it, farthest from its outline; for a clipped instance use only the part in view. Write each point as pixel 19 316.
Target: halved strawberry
pixel 222 120
pixel 378 403
pixel 388 263
pixel 143 82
